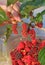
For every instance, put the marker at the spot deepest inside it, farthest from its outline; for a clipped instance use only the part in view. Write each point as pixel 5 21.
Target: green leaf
pixel 22 1
pixel 43 12
pixel 36 3
pixel 30 5
pixel 26 10
pixel 3 16
pixel 8 32
pixel 41 56
pixel 9 2
pixel 39 17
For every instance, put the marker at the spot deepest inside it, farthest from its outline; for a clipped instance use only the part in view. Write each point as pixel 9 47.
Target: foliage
pixel 9 2
pixel 41 56
pixel 28 6
pixel 3 16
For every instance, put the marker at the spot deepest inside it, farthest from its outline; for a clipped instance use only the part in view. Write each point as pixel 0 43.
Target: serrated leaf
pixel 9 2
pixel 3 16
pixel 41 56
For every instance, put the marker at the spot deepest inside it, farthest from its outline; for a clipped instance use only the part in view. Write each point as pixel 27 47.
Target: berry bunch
pixel 26 53
pixel 27 31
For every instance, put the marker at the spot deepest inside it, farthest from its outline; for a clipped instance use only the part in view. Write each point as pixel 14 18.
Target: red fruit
pixel 24 29
pixel 20 46
pixel 14 26
pixel 29 32
pixel 42 44
pixel 20 62
pixel 27 43
pixel 35 63
pixel 34 41
pixel 23 52
pixel 32 33
pixel 11 54
pixel 32 36
pixel 27 49
pixel 24 26
pixel 13 63
pixel 24 33
pixel 39 25
pixel 15 31
pixel 27 59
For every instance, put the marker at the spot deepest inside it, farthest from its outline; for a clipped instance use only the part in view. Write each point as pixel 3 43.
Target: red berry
pixel 42 44
pixel 23 52
pixel 32 33
pixel 34 41
pixel 20 62
pixel 39 25
pixel 35 63
pixel 27 59
pixel 27 49
pixel 28 44
pixel 29 32
pixel 24 29
pixel 24 33
pixel 13 63
pixel 14 30
pixel 24 26
pixel 20 46
pixel 14 26
pixel 11 54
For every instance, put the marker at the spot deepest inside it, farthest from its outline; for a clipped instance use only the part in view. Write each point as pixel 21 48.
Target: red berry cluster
pixel 26 52
pixel 27 31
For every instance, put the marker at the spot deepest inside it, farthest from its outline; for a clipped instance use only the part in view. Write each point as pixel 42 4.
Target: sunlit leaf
pixel 3 16
pixel 41 56
pixel 9 2
pixel 8 32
